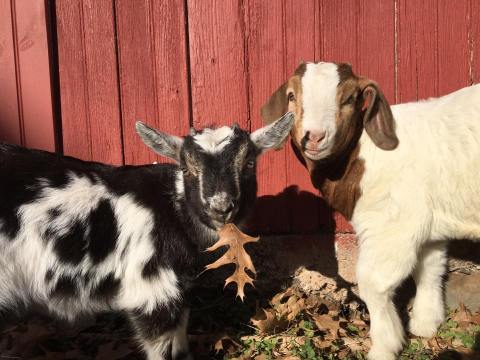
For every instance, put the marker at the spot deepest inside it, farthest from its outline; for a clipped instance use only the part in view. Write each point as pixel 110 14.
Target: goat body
pixel 406 176
pixel 81 237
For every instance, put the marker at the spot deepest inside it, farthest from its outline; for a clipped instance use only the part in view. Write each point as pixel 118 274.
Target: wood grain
pixel 73 80
pixel 453 46
pixel 267 70
pixel 218 63
pixel 336 41
pixel 376 44
pixel 9 116
pixel 303 203
pixel 88 81
pixel 205 62
pixel 153 71
pixel 101 81
pixel 417 60
pixel 33 75
pixel 474 34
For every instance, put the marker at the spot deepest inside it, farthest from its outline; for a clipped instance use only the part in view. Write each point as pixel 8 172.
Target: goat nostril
pixel 316 137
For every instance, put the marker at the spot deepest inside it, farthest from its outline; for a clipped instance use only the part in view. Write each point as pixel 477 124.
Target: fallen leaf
pixel 462 315
pixel 226 344
pixel 261 357
pixel 232 237
pixel 476 319
pixel 326 323
pixel 267 322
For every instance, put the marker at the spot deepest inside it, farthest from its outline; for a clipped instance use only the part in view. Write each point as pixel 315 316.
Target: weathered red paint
pixel 88 80
pixel 219 59
pixel 303 201
pixel 453 45
pixel 26 110
pixel 174 64
pixel 417 64
pixel 9 117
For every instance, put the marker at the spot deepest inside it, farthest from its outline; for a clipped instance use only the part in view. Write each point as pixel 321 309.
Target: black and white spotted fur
pixel 82 237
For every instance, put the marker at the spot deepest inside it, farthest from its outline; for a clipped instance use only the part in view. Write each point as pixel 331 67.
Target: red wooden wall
pixel 177 63
pixel 26 107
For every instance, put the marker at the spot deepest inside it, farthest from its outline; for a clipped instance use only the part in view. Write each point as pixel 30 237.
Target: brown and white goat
pixel 408 183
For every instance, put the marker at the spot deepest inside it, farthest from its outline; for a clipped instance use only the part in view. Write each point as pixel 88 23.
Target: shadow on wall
pixel 277 257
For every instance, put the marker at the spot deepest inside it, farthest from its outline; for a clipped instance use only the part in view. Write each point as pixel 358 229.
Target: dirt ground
pixel 290 324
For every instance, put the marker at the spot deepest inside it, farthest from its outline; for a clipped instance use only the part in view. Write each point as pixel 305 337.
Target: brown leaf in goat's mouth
pixel 232 237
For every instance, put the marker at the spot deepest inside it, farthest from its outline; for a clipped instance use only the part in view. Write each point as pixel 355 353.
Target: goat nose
pixel 315 136
pixel 223 207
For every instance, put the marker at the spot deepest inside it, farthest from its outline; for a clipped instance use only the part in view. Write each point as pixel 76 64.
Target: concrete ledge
pixel 325 264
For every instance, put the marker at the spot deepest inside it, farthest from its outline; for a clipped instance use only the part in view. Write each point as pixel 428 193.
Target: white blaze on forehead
pixel 214 140
pixel 319 91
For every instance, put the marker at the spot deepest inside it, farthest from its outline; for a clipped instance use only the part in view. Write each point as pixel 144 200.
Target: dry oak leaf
pixel 267 322
pixel 232 237
pixel 326 323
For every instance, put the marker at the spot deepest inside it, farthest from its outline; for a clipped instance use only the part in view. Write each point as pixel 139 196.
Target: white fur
pixel 25 260
pixel 319 85
pixel 213 140
pixel 422 193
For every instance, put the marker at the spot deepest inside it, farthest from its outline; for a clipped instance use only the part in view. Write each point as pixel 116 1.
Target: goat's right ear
pixel 276 106
pixel 161 143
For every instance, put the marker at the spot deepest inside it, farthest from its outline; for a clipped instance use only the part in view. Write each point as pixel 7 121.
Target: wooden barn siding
pixel 182 63
pixel 26 111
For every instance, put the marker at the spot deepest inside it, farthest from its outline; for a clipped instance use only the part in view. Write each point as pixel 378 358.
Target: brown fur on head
pixel 359 104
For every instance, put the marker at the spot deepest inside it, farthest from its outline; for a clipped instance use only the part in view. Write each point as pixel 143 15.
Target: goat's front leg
pixel 428 307
pixel 163 333
pixel 382 265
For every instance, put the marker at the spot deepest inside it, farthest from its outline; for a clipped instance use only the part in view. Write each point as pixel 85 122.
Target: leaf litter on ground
pixel 292 325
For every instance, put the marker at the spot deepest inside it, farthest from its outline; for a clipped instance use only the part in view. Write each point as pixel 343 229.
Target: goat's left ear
pixel 161 143
pixel 377 117
pixel 276 106
pixel 271 136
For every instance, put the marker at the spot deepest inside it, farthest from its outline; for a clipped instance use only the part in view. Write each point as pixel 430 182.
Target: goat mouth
pixel 313 154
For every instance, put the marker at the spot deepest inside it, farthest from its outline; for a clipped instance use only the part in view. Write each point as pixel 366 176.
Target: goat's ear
pixel 377 117
pixel 276 106
pixel 273 135
pixel 161 143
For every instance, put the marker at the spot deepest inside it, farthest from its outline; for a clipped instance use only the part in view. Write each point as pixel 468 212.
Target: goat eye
pixel 349 100
pixel 251 164
pixel 291 96
pixel 184 170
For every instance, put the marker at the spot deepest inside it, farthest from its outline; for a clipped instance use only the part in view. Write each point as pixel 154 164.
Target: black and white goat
pixel 83 237
pixel 405 175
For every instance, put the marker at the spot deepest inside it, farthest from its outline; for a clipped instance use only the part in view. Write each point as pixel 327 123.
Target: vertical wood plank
pixel 453 45
pixel 475 41
pixel 417 64
pixel 300 46
pixel 102 81
pixel 88 80
pixel 33 71
pixel 73 81
pixel 217 56
pixel 376 40
pixel 337 42
pixel 153 71
pixel 267 70
pixel 9 116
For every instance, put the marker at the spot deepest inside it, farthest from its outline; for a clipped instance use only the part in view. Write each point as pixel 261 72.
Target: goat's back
pixel 83 236
pixel 432 177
